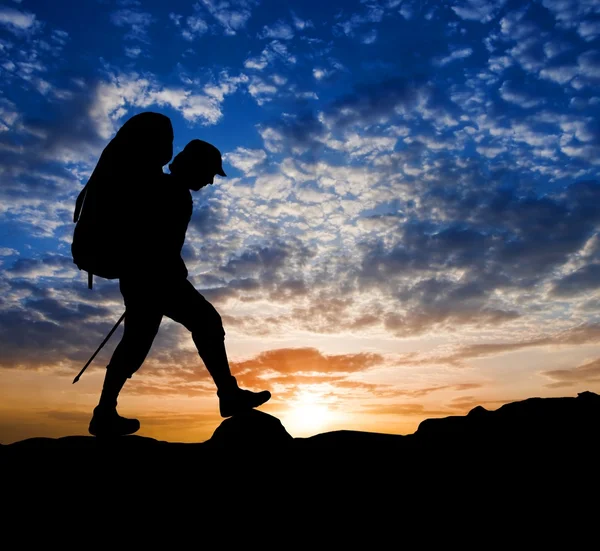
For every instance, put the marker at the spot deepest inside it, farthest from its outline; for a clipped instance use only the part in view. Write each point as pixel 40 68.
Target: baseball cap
pixel 207 152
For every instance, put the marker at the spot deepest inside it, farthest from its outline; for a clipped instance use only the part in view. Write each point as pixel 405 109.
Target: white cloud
pixel 478 10
pixel 17 20
pixel 319 73
pixel 560 74
pixel 274 51
pixel 370 37
pixel 113 99
pixel 133 52
pixel 246 160
pixel 272 138
pixel 589 30
pixel 374 15
pixel 8 114
pixel 406 11
pixel 279 80
pixel 499 63
pixel 258 63
pixel 175 18
pixel 581 15
pixel 589 64
pixel 555 47
pixel 231 14
pixel 587 152
pixel 357 145
pixel 514 27
pixel 490 151
pixel 509 93
pixel 196 26
pixel 453 56
pixel 300 23
pixel 227 85
pixel 279 30
pixel 137 20
pixel 528 53
pixel 260 90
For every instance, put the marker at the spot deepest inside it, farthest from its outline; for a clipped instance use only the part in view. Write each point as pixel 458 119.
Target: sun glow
pixel 308 415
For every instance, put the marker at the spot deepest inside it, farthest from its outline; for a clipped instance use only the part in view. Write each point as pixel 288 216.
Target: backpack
pixel 107 209
pixel 97 246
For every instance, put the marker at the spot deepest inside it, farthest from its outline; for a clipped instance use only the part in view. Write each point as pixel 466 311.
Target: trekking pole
pixel 100 347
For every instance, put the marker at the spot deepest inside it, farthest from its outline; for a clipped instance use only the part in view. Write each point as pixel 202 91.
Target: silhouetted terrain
pixel 533 429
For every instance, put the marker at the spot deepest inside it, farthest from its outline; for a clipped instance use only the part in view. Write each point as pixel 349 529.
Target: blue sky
pixel 410 222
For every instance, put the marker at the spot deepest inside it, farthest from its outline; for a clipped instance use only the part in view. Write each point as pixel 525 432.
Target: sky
pixel 409 227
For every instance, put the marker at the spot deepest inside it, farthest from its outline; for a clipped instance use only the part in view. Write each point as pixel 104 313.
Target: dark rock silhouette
pixel 535 425
pixel 550 426
pixel 252 430
pixel 488 474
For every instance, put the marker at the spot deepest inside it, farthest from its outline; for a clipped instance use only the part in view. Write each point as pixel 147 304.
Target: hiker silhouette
pixel 157 208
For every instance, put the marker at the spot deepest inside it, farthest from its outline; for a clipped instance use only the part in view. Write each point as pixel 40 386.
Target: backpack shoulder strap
pixel 79 203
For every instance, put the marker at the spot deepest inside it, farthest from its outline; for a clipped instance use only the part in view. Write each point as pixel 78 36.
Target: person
pixel 156 285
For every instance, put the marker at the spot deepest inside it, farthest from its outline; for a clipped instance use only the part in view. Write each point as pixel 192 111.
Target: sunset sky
pixel 409 227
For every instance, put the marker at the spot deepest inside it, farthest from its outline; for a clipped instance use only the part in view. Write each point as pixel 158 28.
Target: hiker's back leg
pixel 142 321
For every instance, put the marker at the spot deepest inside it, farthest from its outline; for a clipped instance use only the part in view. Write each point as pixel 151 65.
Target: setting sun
pixel 308 415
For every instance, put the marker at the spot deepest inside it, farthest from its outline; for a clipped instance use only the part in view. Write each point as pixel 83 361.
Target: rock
pixel 254 430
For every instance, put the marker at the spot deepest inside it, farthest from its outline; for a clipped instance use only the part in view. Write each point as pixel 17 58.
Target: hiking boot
pixel 107 422
pixel 234 400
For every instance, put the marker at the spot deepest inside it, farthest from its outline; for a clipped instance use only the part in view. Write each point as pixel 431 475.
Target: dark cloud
pixel 584 334
pixel 370 104
pixel 498 238
pixel 579 282
pixel 583 374
pixel 208 219
pixel 35 150
pixel 28 267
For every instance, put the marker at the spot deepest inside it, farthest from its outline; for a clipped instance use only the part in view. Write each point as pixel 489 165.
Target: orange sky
pixel 313 392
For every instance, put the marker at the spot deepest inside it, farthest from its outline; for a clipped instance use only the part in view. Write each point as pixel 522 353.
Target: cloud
pixel 482 11
pixel 370 37
pixel 232 15
pixel 453 56
pixel 576 14
pixel 246 160
pixel 512 93
pixel 279 31
pixel 291 361
pixel 583 374
pixel 136 20
pixel 261 90
pixel 371 104
pixel 301 24
pixel 196 26
pixel 581 281
pixel 16 20
pixel 273 52
pixel 576 336
pixel 112 97
pixel 374 14
pixel 133 52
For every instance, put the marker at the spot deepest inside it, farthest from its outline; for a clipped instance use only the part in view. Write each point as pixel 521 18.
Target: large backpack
pixel 97 247
pixel 106 209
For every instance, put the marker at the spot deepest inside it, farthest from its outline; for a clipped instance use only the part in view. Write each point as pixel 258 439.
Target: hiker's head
pixel 146 138
pixel 198 164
